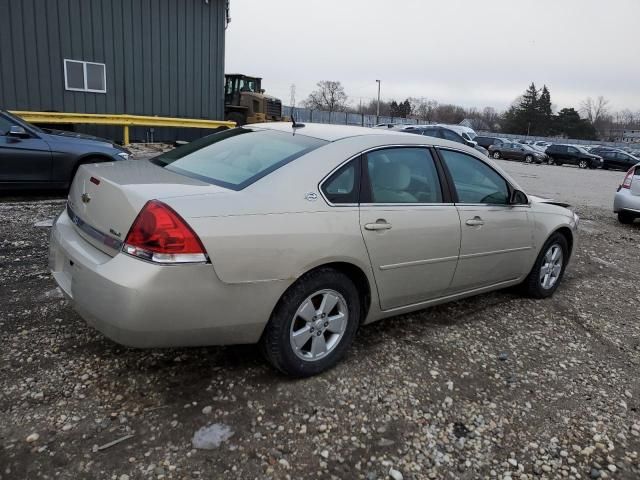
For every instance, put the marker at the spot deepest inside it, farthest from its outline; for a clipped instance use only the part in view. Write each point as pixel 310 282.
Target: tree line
pixel 532 113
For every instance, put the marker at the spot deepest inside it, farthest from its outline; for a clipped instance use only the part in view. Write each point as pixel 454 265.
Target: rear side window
pixel 475 181
pixel 344 185
pixel 431 132
pixel 238 157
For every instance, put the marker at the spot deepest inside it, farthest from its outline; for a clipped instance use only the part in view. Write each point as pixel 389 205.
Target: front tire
pixel 547 272
pixel 528 159
pixel 313 324
pixel 496 155
pixel 584 164
pixel 625 217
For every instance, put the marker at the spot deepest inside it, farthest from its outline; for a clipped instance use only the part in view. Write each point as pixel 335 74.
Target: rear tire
pixel 296 324
pixel 625 217
pixel 547 272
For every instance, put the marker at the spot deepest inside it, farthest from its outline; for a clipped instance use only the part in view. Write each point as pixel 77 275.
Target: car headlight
pixel 123 155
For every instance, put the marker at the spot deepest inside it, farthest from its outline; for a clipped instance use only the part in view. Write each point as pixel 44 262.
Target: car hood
pixel 62 135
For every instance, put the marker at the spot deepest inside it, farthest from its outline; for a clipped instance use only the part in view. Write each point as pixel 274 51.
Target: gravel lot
pixel 493 387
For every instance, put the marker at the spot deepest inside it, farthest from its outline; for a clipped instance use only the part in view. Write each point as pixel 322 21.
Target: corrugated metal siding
pixel 163 57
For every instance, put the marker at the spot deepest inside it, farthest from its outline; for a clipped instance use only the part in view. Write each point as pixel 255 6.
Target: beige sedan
pixel 294 237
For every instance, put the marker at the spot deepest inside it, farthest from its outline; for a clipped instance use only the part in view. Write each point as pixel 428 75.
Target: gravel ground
pixel 497 386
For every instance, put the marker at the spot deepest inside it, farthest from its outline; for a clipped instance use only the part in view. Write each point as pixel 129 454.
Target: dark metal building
pixel 142 57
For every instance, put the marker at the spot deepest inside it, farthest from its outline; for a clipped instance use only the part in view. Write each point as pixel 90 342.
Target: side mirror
pixel 518 198
pixel 471 143
pixel 18 131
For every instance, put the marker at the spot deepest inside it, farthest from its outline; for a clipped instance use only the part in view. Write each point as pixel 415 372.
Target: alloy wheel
pixel 583 164
pixel 318 325
pixel 551 266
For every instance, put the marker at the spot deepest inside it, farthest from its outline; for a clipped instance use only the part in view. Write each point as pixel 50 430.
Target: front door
pixel 26 159
pixel 410 227
pixel 497 238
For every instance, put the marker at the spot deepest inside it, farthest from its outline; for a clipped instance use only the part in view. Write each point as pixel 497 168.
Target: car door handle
pixel 379 225
pixel 475 221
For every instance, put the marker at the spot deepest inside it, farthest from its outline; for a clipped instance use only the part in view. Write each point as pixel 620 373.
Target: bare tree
pixel 626 117
pixel 423 108
pixel 329 96
pixel 595 110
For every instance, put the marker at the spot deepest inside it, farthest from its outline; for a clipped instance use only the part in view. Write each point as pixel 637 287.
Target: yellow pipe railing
pixel 124 121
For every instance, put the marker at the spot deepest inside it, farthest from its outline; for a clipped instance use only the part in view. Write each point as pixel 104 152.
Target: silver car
pixel 627 200
pixel 294 237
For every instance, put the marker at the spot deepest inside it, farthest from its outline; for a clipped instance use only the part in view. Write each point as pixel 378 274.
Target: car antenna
pixel 295 124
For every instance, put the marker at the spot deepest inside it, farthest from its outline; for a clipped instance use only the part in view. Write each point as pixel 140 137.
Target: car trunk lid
pixel 105 198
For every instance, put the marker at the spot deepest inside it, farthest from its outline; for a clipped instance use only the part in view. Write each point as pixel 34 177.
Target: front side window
pixel 475 181
pixel 85 76
pixel 238 157
pixel 5 126
pixel 343 186
pixel 449 135
pixel 403 175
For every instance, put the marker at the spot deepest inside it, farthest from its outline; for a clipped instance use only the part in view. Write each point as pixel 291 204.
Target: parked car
pixel 517 151
pixel 32 157
pixel 467 133
pixel 486 142
pixel 294 237
pixel 571 154
pixel 439 131
pixel 540 145
pixel 626 202
pixel 615 158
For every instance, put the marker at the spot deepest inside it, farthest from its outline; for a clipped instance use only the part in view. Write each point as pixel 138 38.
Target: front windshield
pixel 470 135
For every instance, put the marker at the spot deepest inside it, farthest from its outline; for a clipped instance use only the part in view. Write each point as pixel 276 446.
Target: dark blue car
pixel 32 157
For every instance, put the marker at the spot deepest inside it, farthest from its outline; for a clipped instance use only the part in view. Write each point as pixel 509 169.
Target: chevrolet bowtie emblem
pixel 85 198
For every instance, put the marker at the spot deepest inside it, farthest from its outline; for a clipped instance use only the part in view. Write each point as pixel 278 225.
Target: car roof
pixel 324 131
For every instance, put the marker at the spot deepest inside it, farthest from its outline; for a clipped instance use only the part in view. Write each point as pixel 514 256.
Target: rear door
pixel 573 155
pixel 410 227
pixel 26 159
pixel 497 238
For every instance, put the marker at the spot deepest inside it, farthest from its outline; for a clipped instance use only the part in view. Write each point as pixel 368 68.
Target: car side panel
pixel 258 248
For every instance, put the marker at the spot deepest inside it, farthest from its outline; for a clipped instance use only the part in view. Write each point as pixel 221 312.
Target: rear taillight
pixel 160 235
pixel 628 178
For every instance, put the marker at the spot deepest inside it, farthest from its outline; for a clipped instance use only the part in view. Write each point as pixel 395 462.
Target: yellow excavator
pixel 245 101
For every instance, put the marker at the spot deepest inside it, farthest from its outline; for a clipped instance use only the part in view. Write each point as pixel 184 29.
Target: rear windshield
pixel 238 157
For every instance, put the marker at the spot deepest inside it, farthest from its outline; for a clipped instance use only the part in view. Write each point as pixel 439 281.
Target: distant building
pixel 142 57
pixel 631 135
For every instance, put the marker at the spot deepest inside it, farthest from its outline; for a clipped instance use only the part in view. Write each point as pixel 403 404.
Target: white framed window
pixel 82 76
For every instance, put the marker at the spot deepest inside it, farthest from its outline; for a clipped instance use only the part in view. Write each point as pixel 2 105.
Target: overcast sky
pixel 467 52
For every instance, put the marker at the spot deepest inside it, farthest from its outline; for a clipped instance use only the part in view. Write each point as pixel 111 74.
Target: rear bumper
pixel 626 201
pixel 141 304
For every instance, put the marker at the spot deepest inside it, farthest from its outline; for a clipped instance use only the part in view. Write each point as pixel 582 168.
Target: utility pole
pixel 378 109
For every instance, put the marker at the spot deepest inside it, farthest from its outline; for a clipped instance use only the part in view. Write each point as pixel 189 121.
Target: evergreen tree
pixel 545 112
